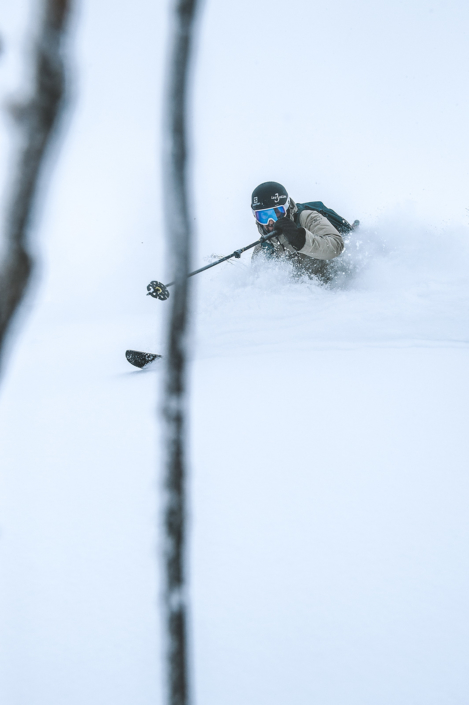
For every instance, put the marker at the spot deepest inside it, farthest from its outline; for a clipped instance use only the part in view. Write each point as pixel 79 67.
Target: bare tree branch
pixel 35 119
pixel 179 235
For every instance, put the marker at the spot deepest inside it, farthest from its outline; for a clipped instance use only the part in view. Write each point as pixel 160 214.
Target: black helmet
pixel 269 195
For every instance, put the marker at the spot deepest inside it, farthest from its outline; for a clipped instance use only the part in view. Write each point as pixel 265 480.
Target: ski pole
pixel 160 291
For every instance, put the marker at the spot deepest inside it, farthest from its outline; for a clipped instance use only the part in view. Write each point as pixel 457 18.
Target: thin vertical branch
pixel 179 236
pixel 36 120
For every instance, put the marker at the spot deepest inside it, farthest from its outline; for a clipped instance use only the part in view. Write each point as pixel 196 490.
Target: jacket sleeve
pixel 323 241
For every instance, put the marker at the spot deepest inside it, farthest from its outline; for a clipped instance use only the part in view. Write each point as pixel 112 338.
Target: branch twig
pixel 36 120
pixel 179 237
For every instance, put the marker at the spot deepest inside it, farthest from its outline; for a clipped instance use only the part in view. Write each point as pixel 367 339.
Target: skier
pixel 305 237
pixel 307 234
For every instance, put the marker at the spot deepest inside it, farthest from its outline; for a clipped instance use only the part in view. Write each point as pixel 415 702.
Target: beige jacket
pixel 323 242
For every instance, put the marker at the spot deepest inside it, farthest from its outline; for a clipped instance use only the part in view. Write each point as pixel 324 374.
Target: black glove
pixel 296 236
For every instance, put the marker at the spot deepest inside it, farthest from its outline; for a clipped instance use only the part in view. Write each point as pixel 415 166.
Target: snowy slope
pixel 328 480
pixel 329 494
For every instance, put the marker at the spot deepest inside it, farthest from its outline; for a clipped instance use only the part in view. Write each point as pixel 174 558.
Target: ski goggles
pixel 267 214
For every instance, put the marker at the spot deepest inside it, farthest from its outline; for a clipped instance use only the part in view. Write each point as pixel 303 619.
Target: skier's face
pixel 267 217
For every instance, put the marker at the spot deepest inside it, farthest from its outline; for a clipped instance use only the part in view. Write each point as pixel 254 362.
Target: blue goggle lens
pixel 267 214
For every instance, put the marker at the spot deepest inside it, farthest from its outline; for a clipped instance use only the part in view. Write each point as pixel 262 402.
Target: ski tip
pixel 140 359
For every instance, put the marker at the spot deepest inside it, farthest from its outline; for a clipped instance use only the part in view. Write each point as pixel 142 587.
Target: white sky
pixel 362 105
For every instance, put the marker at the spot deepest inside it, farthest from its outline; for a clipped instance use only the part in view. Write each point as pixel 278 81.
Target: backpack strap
pixel 334 218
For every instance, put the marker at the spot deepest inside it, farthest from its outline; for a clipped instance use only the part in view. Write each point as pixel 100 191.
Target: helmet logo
pixel 277 198
pixel 256 201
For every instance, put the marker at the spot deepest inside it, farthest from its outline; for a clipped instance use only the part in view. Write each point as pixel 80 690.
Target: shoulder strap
pixel 334 218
